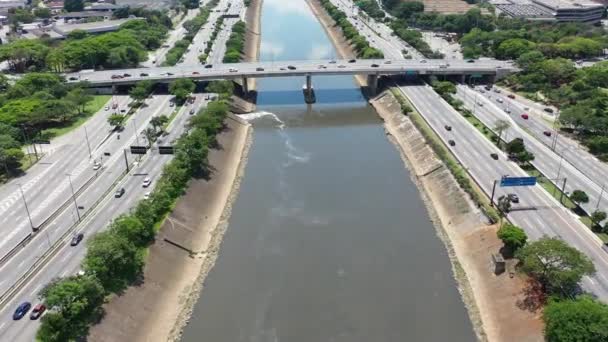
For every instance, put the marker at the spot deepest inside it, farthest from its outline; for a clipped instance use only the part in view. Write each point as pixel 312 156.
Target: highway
pixel 66 261
pixel 300 68
pixel 537 213
pixel 583 170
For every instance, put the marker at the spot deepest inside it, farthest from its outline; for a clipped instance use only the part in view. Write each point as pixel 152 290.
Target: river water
pixel 329 239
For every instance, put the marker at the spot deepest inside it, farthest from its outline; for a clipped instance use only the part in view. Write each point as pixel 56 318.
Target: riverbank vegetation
pixel 360 44
pixel 115 258
pixel 236 43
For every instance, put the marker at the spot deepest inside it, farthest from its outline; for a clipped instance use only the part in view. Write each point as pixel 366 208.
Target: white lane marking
pixel 36 289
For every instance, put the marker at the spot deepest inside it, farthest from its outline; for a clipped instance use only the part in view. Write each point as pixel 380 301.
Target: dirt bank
pixel 185 250
pixel 334 32
pixel 494 302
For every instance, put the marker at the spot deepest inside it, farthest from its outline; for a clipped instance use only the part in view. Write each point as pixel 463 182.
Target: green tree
pixel 80 98
pixel 54 328
pixel 10 159
pixel 181 89
pixel 73 5
pixel 141 90
pixel 581 319
pixel 158 122
pixel 512 236
pixel 514 48
pixel 131 228
pixel 444 88
pixel 579 196
pixel 555 265
pixel 116 120
pixel 503 205
pixel 42 12
pixel 221 87
pixel 597 217
pixel 500 126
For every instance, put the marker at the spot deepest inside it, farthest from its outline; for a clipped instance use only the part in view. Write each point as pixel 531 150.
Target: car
pixel 332 62
pixel 423 61
pixel 448 127
pixel 291 67
pixel 119 192
pixel 499 100
pixel 39 309
pixel 143 74
pixel 341 66
pixel 470 61
pixel 480 104
pixel 494 156
pixel 123 110
pixel 116 77
pixel 511 96
pixel 482 91
pixel 114 105
pixel 191 111
pixel 496 90
pixel 321 66
pixel 451 142
pixel 106 108
pixel 73 78
pixel 154 61
pixel 388 62
pixel 80 273
pixel 196 73
pixel 259 69
pixel 513 198
pixel 375 65
pixel 126 75
pixel 352 60
pixel 147 182
pixel 76 239
pixel 524 116
pixel 147 195
pixel 21 310
pixel 233 70
pixel 488 87
pixel 96 166
pixel 507 110
pixel 281 68
pixel 169 74
pixel 208 66
pixel 548 110
pixel 171 104
pixel 547 133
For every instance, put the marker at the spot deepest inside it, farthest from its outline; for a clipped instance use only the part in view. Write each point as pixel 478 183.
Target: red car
pixel 195 73
pixel 511 96
pixel 524 116
pixel 38 311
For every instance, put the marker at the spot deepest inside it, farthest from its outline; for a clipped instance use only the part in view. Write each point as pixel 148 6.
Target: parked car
pixel 388 62
pixel 494 156
pixel 21 310
pixel 448 127
pixel 321 66
pixel 496 90
pixel 119 192
pixel 451 142
pixel 513 198
pixel 147 195
pixel 499 100
pixel 332 62
pixel 147 182
pixel 76 239
pixel 507 110
pixel 524 116
pixel 169 74
pixel 38 311
pixel 547 133
pixel 171 104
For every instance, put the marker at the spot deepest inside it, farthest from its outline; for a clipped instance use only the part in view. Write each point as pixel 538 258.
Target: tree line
pixel 115 258
pixel 360 44
pixel 236 43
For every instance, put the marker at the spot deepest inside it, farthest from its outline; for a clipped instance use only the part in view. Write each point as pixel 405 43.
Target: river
pixel 329 239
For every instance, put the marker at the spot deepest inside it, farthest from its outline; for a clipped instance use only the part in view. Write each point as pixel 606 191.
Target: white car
pixel 147 182
pixel 499 100
pixel 233 70
pixel 96 166
pixel 147 195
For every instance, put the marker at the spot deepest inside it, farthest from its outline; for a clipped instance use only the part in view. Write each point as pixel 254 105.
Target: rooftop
pixel 568 4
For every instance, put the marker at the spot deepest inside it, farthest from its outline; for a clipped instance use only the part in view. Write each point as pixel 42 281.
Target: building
pixel 559 10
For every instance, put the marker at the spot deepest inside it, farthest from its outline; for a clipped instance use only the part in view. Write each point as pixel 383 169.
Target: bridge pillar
pixel 245 86
pixel 309 92
pixel 372 84
pixel 463 79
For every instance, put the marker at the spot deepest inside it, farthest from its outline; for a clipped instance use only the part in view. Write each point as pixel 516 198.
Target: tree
pixel 221 87
pixel 116 120
pixel 181 89
pixel 512 236
pixel 597 217
pixel 42 12
pixel 141 90
pixel 10 159
pixel 581 319
pixel 444 88
pixel 555 265
pixel 73 5
pixel 503 205
pixel 515 146
pixel 54 328
pixel 158 122
pixel 80 98
pixel 130 227
pixel 150 134
pixel 499 127
pixel 579 196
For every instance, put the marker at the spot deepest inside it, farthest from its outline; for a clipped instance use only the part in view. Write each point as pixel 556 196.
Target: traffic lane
pixel 68 260
pixel 549 218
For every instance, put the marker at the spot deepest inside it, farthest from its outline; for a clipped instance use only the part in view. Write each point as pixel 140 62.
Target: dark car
pixel 196 73
pixel 119 192
pixel 73 78
pixel 547 133
pixel 548 110
pixel 352 60
pixel 169 74
pixel 126 75
pixel 114 77
pixel 511 96
pixel 38 311
pixel 471 61
pixel 291 67
pixel 375 65
pixel 259 69
pixel 451 142
pixel 513 198
pixel 448 127
pixel 208 66
pixel 488 87
pixel 76 239
pixel 494 156
pixel 143 74
pixel 22 309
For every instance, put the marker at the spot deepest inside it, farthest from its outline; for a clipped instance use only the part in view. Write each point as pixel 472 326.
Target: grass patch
pixel 172 116
pixel 91 108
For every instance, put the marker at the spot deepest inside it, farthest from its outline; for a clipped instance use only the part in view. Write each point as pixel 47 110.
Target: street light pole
pixel 73 196
pixel 86 134
pixel 600 198
pixel 27 210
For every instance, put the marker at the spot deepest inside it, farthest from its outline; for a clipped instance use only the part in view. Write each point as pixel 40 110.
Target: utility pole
pixel 73 196
pixel 27 210
pixel 126 160
pixel 86 134
pixel 493 191
pixel 559 169
pixel 563 191
pixel 600 198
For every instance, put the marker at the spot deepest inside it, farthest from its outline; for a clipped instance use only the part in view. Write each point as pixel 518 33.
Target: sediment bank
pixel 185 250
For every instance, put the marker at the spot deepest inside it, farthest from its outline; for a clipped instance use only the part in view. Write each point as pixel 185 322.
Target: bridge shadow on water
pixel 296 97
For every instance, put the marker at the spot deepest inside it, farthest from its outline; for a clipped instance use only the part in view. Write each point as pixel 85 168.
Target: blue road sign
pixel 518 181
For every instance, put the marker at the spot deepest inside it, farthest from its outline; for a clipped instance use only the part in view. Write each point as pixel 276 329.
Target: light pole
pixel 86 134
pixel 600 198
pixel 27 210
pixel 73 196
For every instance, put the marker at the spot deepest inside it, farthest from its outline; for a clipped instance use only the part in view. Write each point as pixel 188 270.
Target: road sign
pixel 138 149
pixel 518 181
pixel 165 149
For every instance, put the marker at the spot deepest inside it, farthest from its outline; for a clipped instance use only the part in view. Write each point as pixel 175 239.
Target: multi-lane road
pixel 66 259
